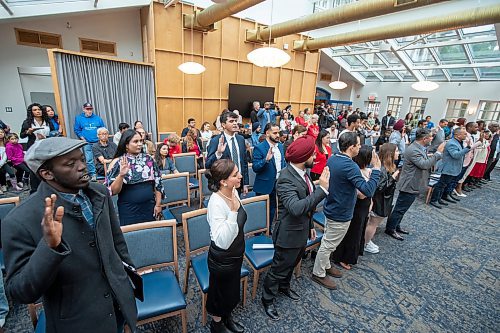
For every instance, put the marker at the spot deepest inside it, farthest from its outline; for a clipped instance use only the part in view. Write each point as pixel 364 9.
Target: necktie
pixel 234 151
pixel 308 183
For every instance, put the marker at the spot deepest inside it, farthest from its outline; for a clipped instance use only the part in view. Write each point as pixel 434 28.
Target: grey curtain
pixel 119 92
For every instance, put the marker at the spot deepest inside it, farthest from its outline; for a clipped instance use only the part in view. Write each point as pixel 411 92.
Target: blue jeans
pixel 439 190
pixel 89 156
pixel 4 304
pixel 404 202
pixel 451 186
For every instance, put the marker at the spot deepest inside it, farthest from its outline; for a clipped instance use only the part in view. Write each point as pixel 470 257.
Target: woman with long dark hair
pixel 323 151
pixel 384 195
pixel 135 177
pixel 226 218
pixel 54 119
pixel 349 249
pixel 36 126
pixel 164 162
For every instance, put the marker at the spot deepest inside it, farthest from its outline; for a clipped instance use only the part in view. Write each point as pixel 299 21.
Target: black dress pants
pixel 439 188
pixel 279 275
pixel 404 202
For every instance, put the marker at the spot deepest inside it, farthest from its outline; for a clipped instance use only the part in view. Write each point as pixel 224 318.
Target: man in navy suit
pixel 268 160
pixel 267 115
pixel 230 145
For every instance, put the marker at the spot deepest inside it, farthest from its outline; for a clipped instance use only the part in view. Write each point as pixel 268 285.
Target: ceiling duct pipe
pixel 343 14
pixel 463 19
pixel 205 20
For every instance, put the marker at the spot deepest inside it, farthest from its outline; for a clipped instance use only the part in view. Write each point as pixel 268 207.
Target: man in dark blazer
pixel 74 258
pixel 230 145
pixel 268 160
pixel 297 200
pixel 387 121
pixel 494 153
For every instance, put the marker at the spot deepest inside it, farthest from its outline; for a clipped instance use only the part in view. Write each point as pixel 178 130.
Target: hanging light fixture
pixel 425 85
pixel 338 85
pixel 191 67
pixel 268 56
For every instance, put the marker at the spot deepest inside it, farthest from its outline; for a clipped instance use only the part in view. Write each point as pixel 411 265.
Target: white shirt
pixel 277 158
pixel 206 135
pixel 117 137
pixel 302 174
pixel 44 129
pixel 223 222
pixel 230 145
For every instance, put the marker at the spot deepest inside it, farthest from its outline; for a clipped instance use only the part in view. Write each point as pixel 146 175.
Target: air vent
pixel 325 77
pixel 38 38
pixel 97 46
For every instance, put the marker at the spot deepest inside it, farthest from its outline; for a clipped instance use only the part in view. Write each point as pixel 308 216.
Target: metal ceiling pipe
pixel 463 19
pixel 343 14
pixel 205 19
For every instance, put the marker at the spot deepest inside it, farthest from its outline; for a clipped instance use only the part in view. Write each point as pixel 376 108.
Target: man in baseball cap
pixel 74 259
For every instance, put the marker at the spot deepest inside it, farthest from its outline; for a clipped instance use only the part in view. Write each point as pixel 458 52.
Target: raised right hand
pixel 221 148
pixel 52 223
pixel 235 203
pixel 269 154
pixel 324 179
pixel 124 168
pixel 376 161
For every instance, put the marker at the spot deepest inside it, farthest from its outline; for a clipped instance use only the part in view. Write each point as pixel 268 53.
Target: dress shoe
pixel 291 294
pixel 335 272
pixel 271 311
pixel 394 234
pixel 454 197
pixel 402 231
pixel 233 325
pixel 447 199
pixel 466 189
pixel 435 204
pixel 218 327
pixel 442 203
pixel 326 281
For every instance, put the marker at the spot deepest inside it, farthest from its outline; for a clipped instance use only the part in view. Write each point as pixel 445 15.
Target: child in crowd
pixel 5 167
pixel 15 154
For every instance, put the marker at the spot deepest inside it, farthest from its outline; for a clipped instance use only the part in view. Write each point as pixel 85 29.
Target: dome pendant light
pixel 425 85
pixel 191 67
pixel 338 85
pixel 268 56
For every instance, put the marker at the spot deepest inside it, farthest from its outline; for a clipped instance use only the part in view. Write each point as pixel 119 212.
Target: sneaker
pixel 370 247
pixel 93 178
pixel 462 195
pixel 4 188
pixel 18 188
pixel 375 245
pixel 20 184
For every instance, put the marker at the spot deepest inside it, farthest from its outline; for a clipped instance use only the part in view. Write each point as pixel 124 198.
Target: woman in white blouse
pixel 226 218
pixel 206 133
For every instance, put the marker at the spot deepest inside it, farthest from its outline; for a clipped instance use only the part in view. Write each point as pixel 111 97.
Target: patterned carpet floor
pixel 444 277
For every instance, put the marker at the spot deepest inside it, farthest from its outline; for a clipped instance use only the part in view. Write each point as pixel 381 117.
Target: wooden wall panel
pixel 223 52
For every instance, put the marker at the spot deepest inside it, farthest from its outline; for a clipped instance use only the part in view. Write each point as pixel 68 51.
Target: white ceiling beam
pixel 442 66
pixel 345 66
pixel 434 55
pixel 366 64
pixel 405 60
pixel 6 7
pixel 468 54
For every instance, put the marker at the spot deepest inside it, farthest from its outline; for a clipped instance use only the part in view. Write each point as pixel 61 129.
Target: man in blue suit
pixel 453 159
pixel 230 145
pixel 268 160
pixel 267 115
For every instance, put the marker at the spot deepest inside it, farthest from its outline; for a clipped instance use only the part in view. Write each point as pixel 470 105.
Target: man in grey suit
pixel 453 159
pixel 439 136
pixel 413 179
pixel 297 200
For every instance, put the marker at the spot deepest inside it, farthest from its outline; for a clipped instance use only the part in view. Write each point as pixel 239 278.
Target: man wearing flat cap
pixel 297 200
pixel 64 244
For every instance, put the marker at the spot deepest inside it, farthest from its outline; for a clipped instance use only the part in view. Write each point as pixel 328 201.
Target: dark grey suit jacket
pixel 295 209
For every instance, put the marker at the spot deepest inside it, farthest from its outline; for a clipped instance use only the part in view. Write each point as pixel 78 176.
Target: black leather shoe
pixel 402 231
pixel 454 197
pixel 466 189
pixel 291 294
pixel 233 325
pixel 271 311
pixel 435 204
pixel 394 234
pixel 442 203
pixel 218 327
pixel 447 199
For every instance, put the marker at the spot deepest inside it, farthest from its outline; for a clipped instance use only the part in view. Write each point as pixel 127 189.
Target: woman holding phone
pixel 226 218
pixel 36 126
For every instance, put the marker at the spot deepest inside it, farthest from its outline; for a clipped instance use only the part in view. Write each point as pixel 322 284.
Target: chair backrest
pixel 203 180
pixel 257 209
pixel 176 188
pixel 196 232
pixel 164 135
pixel 185 162
pixel 6 205
pixel 152 244
pixel 251 176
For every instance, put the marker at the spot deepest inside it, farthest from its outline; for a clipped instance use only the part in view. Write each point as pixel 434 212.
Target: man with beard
pixel 75 260
pixel 297 200
pixel 268 160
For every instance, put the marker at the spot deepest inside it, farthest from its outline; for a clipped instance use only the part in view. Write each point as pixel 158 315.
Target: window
pixel 456 108
pixel 489 111
pixel 417 107
pixel 38 38
pixel 97 46
pixel 394 104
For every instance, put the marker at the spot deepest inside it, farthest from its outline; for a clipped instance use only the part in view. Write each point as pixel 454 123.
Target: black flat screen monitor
pixel 242 96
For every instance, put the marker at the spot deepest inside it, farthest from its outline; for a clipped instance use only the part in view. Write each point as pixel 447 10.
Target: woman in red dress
pixel 300 119
pixel 482 157
pixel 323 152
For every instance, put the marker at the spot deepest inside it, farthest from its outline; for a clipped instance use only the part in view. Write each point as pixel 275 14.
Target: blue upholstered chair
pixel 311 244
pixel 153 249
pixel 164 135
pixel 197 241
pixel 186 162
pixel 319 219
pixel 40 325
pixel 6 205
pixel 257 209
pixel 176 195
pixel 205 193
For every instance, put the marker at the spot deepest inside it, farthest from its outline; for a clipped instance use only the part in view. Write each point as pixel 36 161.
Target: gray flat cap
pixel 46 149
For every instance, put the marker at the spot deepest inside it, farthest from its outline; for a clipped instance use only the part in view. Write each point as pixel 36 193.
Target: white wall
pixel 122 27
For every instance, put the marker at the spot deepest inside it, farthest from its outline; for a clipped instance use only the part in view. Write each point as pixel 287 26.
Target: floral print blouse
pixel 143 168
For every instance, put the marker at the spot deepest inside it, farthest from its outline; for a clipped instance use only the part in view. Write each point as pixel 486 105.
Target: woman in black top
pixel 226 218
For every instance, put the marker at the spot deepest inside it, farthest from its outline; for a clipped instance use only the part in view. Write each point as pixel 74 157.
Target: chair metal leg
pixel 184 321
pixel 186 277
pixel 256 275
pixel 429 192
pixel 244 284
pixel 203 308
pixel 297 269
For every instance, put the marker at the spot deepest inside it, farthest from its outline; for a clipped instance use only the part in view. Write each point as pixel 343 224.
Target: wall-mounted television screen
pixel 242 96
